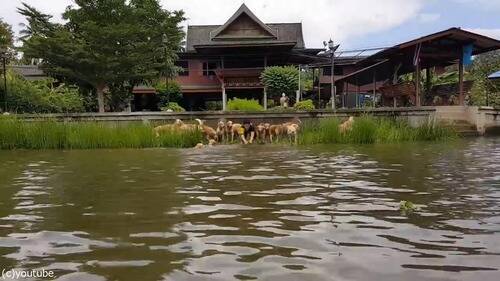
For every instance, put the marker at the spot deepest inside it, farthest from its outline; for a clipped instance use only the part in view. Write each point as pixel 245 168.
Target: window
pixel 184 65
pixel 327 71
pixel 209 68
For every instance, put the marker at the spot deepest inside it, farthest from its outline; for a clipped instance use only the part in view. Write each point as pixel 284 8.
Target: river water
pixel 256 212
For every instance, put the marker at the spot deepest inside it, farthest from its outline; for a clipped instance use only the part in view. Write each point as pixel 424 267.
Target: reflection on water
pixel 260 212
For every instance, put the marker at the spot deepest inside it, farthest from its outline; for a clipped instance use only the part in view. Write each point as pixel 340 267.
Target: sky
pixel 355 24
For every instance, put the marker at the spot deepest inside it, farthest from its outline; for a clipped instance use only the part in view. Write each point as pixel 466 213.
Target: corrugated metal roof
pixel 494 76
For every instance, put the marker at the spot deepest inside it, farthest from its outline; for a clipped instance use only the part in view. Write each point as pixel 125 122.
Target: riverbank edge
pixel 469 120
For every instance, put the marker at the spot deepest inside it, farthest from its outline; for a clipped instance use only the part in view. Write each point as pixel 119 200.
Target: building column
pixel 461 96
pixel 224 98
pixel 265 99
pixel 374 88
pixel 417 85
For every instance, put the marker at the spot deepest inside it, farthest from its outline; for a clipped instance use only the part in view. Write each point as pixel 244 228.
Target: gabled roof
pixel 452 36
pixel 277 34
pixel 244 10
pixel 286 32
pixel 438 49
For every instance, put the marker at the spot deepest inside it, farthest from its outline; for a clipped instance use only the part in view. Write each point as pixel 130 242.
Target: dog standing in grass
pixel 221 131
pixel 232 129
pixel 208 132
pixel 347 125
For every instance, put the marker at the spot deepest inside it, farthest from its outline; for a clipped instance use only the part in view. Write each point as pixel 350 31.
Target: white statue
pixel 284 100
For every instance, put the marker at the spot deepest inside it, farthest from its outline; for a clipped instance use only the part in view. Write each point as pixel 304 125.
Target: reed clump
pixel 369 130
pixel 49 134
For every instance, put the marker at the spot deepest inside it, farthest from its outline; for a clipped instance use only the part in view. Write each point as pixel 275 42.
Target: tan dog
pixel 275 131
pixel 292 131
pixel 178 125
pixel 201 145
pixel 347 125
pixel 221 131
pixel 261 132
pixel 232 129
pixel 208 132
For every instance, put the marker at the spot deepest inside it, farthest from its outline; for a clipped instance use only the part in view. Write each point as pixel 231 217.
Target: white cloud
pixel 490 32
pixel 322 19
pixel 428 17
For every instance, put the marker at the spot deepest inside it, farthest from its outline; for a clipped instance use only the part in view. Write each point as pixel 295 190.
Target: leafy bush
pixel 25 96
pixel 173 106
pixel 213 105
pixel 244 105
pixel 304 105
pixel 167 93
pixel 280 79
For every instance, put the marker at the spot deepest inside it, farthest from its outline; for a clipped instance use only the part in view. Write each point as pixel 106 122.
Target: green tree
pixel 167 93
pixel 280 79
pixel 109 44
pixel 6 36
pixel 485 91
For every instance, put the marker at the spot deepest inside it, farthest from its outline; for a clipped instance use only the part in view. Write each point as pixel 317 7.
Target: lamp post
pixel 299 91
pixel 164 40
pixel 331 51
pixel 3 54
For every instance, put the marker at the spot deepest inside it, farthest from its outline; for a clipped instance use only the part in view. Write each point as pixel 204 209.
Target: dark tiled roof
pixel 286 32
pixel 30 72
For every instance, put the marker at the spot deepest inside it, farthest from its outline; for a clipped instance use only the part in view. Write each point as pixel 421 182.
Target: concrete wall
pixel 415 116
pixel 485 119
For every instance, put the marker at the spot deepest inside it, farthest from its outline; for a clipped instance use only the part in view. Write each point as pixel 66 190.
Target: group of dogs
pixel 229 131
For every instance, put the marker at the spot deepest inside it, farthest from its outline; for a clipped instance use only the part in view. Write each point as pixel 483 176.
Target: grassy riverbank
pixel 367 130
pixel 17 134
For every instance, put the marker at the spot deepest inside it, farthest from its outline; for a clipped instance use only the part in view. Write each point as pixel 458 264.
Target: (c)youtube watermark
pixel 18 274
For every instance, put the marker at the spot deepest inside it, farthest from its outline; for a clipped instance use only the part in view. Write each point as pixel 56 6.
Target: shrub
pixel 280 79
pixel 304 105
pixel 167 93
pixel 40 96
pixel 244 105
pixel 213 105
pixel 173 106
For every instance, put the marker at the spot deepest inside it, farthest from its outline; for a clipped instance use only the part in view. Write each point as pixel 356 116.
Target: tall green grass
pixel 16 134
pixel 368 129
pixel 49 134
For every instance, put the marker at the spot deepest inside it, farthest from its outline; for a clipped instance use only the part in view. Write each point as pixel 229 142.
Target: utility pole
pixel 331 49
pixel 3 53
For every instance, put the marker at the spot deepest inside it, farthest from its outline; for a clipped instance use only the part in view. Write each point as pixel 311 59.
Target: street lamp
pixel 3 55
pixel 331 51
pixel 164 40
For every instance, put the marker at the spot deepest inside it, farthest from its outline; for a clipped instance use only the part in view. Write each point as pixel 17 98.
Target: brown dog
pixel 275 131
pixel 208 132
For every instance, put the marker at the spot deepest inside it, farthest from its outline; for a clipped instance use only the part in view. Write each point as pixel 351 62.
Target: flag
pixel 467 54
pixel 416 57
